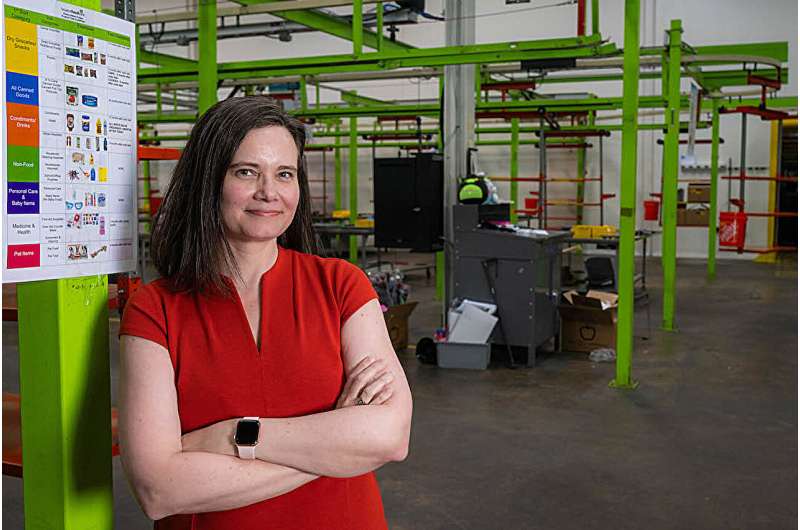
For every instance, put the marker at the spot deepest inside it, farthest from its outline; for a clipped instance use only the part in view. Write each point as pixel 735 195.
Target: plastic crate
pixel 463 355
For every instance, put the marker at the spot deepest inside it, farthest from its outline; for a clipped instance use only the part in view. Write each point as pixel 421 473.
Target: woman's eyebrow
pixel 244 163
pixel 287 167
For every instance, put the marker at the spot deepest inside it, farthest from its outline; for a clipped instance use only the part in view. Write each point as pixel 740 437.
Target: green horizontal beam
pixel 432 109
pixel 164 59
pixel 387 60
pixel 717 79
pixel 331 25
pixel 774 50
pixel 353 98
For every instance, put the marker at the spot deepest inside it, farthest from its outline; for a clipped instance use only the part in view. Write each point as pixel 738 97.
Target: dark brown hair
pixel 188 243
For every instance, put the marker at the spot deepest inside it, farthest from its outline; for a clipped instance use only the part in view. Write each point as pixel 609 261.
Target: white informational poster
pixel 69 182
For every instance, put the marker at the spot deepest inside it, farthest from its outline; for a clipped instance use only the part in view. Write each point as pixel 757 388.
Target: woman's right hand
pixel 369 381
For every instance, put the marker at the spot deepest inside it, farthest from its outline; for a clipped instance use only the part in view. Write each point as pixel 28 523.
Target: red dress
pixel 220 374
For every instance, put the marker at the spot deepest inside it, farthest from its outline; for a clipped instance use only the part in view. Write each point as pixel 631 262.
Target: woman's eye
pixel 246 173
pixel 286 175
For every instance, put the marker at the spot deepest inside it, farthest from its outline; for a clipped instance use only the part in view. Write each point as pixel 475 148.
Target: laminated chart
pixel 69 183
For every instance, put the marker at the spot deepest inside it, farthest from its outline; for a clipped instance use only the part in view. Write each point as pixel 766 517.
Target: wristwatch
pixel 246 437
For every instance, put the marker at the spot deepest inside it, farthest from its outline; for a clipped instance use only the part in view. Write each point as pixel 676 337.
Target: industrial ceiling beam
pixel 164 59
pixel 250 9
pixel 469 54
pixel 331 25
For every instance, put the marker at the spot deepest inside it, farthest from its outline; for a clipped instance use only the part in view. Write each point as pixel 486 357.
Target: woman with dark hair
pixel 241 367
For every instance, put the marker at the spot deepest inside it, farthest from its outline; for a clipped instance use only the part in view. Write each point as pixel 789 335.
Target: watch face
pixel 247 432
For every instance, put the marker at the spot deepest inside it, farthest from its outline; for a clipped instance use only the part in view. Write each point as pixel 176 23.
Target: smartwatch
pixel 246 437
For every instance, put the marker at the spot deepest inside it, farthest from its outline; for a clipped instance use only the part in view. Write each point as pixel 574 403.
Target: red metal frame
pixel 149 152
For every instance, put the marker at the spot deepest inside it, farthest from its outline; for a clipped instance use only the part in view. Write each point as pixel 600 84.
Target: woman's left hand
pixel 216 438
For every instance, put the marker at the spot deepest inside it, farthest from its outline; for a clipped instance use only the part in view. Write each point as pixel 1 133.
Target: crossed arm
pixel 346 441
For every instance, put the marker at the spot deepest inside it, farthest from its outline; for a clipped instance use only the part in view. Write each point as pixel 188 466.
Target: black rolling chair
pixel 600 273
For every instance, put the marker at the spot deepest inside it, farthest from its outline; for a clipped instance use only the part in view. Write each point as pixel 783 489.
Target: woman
pixel 241 366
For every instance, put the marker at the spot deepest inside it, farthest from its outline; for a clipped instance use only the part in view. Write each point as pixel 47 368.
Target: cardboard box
pixel 396 318
pixel 699 192
pixel 588 322
pixel 692 216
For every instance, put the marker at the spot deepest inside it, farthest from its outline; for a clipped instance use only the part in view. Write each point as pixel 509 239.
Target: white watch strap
pixel 247 452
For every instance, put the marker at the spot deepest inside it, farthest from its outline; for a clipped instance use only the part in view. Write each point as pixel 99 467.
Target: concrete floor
pixel 708 441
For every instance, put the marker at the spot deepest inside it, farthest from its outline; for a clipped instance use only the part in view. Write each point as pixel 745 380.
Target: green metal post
pixel 627 198
pixel 379 25
pixel 316 94
pixel 358 29
pixel 207 49
pixel 514 168
pixel 65 400
pixel 337 172
pixel 65 403
pixel 669 200
pixel 303 93
pixel 712 214
pixel 158 99
pixel 581 192
pixel 595 17
pixel 440 261
pixel 353 168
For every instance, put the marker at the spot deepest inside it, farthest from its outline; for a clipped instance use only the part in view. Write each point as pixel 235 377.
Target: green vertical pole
pixel 581 192
pixel 440 262
pixel 595 17
pixel 65 403
pixel 303 93
pixel 353 168
pixel 669 200
pixel 712 214
pixel 379 25
pixel 627 197
pixel 514 168
pixel 65 400
pixel 158 99
pixel 207 44
pixel 358 29
pixel 316 93
pixel 337 171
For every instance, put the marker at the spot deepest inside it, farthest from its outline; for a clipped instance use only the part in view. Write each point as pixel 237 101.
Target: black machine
pixel 408 196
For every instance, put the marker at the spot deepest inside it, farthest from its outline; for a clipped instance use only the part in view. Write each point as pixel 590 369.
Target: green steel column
pixel 514 168
pixel 627 197
pixel 358 28
pixel 158 99
pixel 207 45
pixel 303 93
pixel 65 403
pixel 379 25
pixel 440 261
pixel 581 193
pixel 337 172
pixel 353 168
pixel 65 400
pixel 712 214
pixel 316 93
pixel 669 200
pixel 596 17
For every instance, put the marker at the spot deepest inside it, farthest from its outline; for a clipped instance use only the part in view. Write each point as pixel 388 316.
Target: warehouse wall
pixel 718 22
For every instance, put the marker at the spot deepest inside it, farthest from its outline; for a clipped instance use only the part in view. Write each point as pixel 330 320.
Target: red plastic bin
pixel 531 203
pixel 732 229
pixel 651 210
